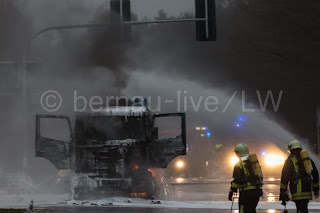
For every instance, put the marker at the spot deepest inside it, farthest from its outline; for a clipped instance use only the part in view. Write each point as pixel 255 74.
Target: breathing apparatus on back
pixel 296 145
pixel 255 165
pixel 242 151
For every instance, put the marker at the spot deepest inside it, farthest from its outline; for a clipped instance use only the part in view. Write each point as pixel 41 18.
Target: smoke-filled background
pixel 262 45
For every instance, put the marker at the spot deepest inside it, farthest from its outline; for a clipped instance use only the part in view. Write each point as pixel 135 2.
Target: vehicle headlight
pixel 274 160
pixel 180 180
pixel 180 164
pixel 234 160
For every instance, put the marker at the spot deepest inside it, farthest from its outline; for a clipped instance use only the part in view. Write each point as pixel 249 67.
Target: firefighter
pixel 246 181
pixel 301 184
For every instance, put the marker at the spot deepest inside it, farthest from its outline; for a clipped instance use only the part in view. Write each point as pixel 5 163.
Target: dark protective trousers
pixel 302 206
pixel 248 200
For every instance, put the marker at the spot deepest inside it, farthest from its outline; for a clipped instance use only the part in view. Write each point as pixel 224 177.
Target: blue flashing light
pixel 238 124
pixel 208 134
pixel 263 153
pixel 242 118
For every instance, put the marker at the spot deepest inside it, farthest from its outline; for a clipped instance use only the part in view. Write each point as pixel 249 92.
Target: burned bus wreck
pixel 112 152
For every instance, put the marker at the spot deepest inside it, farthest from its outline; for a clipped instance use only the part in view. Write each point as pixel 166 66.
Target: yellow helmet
pixel 294 145
pixel 242 150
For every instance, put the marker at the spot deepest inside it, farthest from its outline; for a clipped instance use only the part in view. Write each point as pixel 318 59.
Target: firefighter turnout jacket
pixel 300 183
pixel 244 177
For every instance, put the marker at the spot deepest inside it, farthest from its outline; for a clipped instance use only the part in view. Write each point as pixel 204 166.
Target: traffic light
pixel 202 26
pixel 124 30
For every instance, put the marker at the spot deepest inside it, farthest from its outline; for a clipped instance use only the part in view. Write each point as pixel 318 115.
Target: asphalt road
pixel 149 210
pixel 217 192
pixel 184 192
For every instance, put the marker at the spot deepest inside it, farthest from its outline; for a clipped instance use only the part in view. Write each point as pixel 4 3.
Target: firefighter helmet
pixel 294 145
pixel 242 150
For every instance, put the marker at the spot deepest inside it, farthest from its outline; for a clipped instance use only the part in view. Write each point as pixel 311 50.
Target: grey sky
pixel 48 12
pixel 149 8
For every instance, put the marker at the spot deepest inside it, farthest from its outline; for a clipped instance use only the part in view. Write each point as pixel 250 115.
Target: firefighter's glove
pixel 316 194
pixel 230 195
pixel 284 197
pixel 260 193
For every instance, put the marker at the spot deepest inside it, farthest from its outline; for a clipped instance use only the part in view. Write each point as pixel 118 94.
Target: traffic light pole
pixel 121 17
pixel 318 131
pixel 199 10
pixel 205 12
pixel 163 21
pixel 91 26
pixel 207 19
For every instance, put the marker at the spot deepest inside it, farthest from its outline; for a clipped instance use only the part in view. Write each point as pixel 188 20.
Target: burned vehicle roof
pixel 120 111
